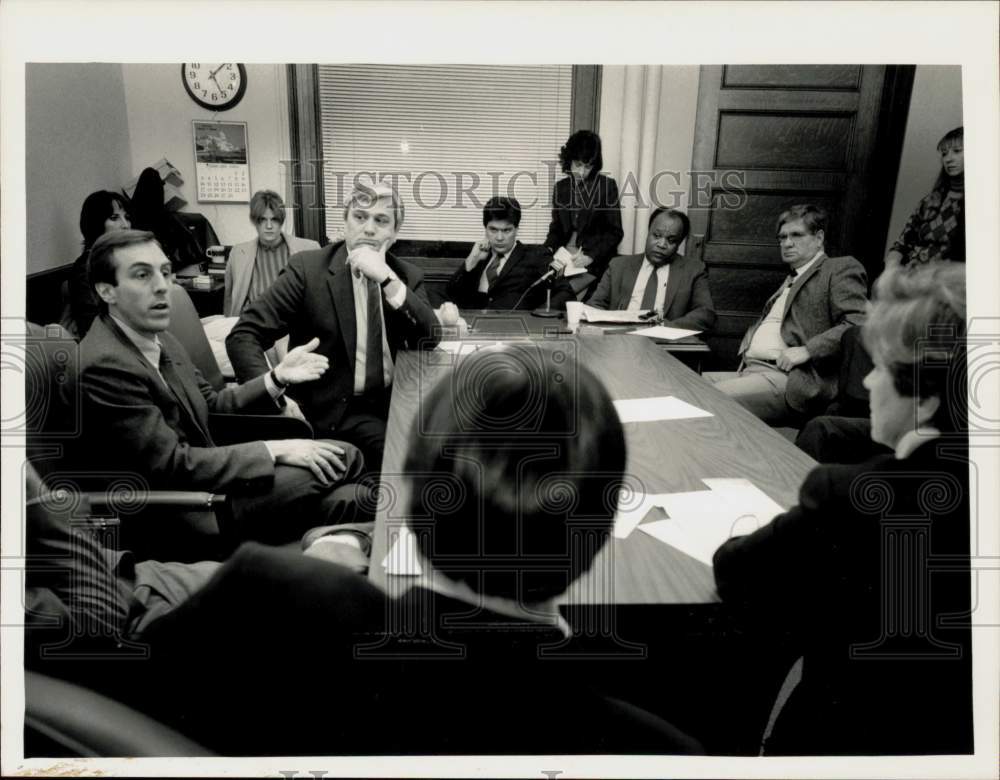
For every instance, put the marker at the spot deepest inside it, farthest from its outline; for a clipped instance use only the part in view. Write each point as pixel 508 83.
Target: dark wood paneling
pixel 764 140
pixel 792 76
pixel 734 289
pixel 757 214
pixel 306 170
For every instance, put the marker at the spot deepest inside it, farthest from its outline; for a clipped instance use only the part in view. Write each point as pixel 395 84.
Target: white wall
pixel 159 121
pixel 647 130
pixel 935 108
pixel 77 141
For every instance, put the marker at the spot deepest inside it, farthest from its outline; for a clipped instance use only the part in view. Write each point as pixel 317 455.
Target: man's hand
pixel 370 262
pixel 582 260
pixel 792 357
pixel 480 251
pixel 292 409
pixel 302 364
pixel 321 457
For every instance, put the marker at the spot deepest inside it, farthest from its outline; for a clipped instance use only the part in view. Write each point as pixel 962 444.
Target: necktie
pixel 491 270
pixel 649 295
pixel 374 376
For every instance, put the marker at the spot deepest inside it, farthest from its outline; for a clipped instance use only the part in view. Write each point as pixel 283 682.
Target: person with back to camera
pixel 870 571
pixel 936 228
pixel 102 212
pixel 586 214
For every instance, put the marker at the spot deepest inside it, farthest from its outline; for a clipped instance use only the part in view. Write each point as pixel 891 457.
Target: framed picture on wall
pixel 221 161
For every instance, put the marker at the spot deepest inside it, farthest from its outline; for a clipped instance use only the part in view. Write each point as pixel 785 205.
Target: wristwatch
pixel 387 281
pixel 277 382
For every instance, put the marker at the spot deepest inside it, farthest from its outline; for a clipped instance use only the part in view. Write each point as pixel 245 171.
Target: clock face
pixel 214 85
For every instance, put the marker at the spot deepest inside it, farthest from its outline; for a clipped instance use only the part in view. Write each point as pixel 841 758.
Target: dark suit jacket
pixel 823 302
pixel 871 573
pixel 135 422
pixel 688 301
pixel 525 266
pixel 600 223
pixel 422 674
pixel 314 296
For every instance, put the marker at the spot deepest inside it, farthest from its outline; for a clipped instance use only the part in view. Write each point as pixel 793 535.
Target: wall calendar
pixel 221 160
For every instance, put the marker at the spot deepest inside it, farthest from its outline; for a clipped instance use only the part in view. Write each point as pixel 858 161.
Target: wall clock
pixel 217 86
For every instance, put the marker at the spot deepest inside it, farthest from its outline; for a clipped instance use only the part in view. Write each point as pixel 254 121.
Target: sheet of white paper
pixel 700 521
pixel 590 314
pixel 402 556
pixel 628 517
pixel 660 408
pixel 563 255
pixel 664 332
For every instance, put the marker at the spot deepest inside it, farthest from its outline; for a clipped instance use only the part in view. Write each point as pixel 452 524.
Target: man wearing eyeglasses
pixel 790 357
pixel 661 279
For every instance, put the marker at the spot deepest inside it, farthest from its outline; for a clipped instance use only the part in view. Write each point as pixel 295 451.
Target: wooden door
pixel 771 136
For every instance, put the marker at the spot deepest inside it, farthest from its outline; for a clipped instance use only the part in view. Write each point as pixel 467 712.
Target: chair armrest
pixel 185 499
pixel 82 722
pixel 240 428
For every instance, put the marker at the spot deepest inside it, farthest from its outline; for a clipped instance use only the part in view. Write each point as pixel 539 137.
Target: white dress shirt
pixel 396 300
pixel 662 275
pixel 767 343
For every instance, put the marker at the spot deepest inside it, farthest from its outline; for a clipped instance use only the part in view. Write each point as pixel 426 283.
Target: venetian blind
pixel 451 136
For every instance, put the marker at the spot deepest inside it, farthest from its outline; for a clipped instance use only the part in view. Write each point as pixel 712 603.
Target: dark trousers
pixel 830 439
pixel 297 501
pixel 363 425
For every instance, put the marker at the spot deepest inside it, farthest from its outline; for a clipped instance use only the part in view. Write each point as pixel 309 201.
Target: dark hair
pixel 952 138
pixel 583 145
pixel 515 467
pixel 101 266
pixel 685 222
pixel 502 210
pixel 916 327
pixel 813 217
pixel 148 210
pixel 97 207
pixel 263 200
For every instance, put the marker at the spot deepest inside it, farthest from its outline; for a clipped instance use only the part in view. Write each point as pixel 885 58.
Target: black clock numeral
pixel 232 77
pixel 196 65
pixel 197 85
pixel 214 97
pixel 204 92
pixel 192 74
pixel 229 67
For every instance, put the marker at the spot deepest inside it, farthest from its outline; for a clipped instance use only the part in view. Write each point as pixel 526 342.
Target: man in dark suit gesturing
pixel 790 355
pixel 362 303
pixel 149 405
pixel 661 278
pixel 499 271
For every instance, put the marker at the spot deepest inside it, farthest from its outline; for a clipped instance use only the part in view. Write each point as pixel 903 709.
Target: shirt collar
pixel 797 272
pixel 142 342
pixel 544 613
pixel 909 441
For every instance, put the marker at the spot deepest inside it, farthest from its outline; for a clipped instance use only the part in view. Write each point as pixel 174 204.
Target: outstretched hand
pixel 302 364
pixel 323 458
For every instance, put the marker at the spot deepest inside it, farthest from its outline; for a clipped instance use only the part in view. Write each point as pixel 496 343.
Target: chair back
pixel 186 327
pixel 52 420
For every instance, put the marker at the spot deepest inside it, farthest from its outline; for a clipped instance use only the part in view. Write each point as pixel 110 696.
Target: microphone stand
pixel 547 312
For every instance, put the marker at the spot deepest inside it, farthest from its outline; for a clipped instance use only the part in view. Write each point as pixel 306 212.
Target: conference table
pixel 664 456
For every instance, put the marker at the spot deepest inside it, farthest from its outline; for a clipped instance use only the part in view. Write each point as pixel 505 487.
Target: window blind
pixel 451 137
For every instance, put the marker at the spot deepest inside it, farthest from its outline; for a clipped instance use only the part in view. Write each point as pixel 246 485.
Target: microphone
pixel 550 274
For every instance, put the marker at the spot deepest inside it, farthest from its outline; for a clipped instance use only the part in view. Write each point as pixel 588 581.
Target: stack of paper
pixel 700 521
pixel 665 407
pixel 590 314
pixel 664 332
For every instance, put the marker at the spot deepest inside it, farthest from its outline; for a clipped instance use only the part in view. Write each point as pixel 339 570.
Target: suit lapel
pixel 629 274
pixel 799 281
pixel 184 388
pixel 342 292
pixel 242 262
pixel 673 282
pixel 516 254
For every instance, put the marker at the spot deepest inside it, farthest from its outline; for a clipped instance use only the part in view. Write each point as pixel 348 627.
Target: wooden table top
pixel 665 456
